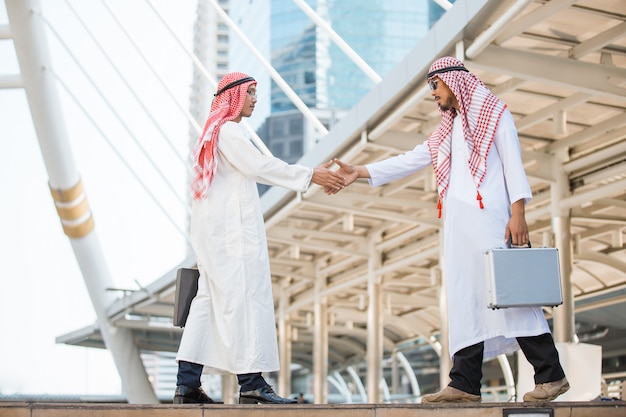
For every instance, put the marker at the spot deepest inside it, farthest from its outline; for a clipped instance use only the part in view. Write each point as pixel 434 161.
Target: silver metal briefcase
pixel 523 277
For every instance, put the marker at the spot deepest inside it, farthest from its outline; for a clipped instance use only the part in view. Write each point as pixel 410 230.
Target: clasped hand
pixel 334 181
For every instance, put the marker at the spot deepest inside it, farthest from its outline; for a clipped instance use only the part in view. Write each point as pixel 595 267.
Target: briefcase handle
pixel 510 245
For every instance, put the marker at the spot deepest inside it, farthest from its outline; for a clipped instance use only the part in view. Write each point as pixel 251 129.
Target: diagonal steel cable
pixel 124 80
pixel 119 155
pixel 115 113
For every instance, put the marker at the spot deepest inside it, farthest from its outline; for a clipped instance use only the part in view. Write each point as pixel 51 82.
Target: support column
pixel 230 388
pixel 284 340
pixel 395 375
pixel 320 342
pixel 67 191
pixel 374 323
pixel 564 330
pixel 445 363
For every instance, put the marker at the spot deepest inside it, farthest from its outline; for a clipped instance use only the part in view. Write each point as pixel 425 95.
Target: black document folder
pixel 186 290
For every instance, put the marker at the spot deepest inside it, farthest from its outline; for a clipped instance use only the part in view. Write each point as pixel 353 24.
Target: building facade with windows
pixel 319 72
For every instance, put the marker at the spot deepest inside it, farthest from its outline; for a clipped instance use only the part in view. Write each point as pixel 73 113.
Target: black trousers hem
pixel 540 351
pixel 189 374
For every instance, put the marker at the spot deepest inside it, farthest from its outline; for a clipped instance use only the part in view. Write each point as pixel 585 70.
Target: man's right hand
pixel 349 172
pixel 332 182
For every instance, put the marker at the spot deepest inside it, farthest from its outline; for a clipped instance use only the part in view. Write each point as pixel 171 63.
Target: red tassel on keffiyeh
pixel 439 208
pixel 479 111
pixel 480 199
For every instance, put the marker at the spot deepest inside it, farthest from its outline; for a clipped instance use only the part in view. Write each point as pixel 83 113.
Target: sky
pixel 134 179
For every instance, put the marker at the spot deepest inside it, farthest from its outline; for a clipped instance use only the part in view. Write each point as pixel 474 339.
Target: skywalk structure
pixel 357 279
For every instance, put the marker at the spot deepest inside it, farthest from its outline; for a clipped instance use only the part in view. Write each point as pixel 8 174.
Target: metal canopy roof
pixel 560 66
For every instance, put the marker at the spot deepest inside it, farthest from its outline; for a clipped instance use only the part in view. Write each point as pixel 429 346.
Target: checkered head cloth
pixel 227 105
pixel 480 113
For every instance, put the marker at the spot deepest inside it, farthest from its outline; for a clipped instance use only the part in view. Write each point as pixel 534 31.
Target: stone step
pixel 554 409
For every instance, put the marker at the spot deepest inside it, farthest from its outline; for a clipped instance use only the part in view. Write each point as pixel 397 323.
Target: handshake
pixel 335 181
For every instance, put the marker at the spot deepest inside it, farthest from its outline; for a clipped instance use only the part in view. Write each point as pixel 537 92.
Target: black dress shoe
pixel 263 395
pixel 188 395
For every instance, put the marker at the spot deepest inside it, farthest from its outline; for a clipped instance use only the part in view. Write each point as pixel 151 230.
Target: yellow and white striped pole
pixel 73 209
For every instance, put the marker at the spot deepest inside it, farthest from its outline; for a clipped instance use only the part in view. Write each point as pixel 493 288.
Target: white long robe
pixel 470 231
pixel 231 326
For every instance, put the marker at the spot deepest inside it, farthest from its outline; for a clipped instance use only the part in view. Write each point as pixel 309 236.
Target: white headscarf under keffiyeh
pixel 480 113
pixel 227 105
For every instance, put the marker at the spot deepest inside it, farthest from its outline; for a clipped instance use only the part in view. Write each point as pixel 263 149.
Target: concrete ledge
pixel 559 409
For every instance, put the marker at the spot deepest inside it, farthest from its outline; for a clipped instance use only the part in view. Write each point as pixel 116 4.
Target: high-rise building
pixel 324 77
pixel 319 72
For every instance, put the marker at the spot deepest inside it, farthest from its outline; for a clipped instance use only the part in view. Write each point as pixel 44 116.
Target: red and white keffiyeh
pixel 227 105
pixel 480 111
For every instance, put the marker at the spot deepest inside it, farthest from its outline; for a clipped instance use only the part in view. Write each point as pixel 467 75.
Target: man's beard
pixel 446 106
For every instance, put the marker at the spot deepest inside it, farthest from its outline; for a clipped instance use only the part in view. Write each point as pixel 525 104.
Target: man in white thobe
pixel 482 188
pixel 231 326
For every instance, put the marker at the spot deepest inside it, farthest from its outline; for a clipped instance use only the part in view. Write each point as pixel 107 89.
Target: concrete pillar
pixel 284 340
pixel 230 388
pixel 564 331
pixel 374 323
pixel 395 375
pixel 320 342
pixel 445 362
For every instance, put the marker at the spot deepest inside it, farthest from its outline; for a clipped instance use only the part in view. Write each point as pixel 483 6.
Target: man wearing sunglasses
pixel 482 191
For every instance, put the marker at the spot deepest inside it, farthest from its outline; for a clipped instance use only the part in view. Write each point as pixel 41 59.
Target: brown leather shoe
pixel 548 391
pixel 450 395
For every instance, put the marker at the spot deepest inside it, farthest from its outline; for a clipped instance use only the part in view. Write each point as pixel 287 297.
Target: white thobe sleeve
pixel 508 146
pixel 399 166
pixel 246 158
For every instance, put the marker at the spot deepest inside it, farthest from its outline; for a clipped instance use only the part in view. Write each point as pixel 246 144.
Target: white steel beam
pixel 359 384
pixel 589 133
pixel 549 111
pixel 410 373
pixel 11 81
pixel 540 14
pixel 338 40
pixel 444 4
pixel 509 380
pixel 599 41
pixel 278 79
pixel 581 76
pixel 200 67
pixel 5 32
pixel 163 83
pixel 486 37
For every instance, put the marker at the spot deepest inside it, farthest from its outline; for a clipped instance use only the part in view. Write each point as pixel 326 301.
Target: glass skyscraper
pixel 381 32
pixel 323 76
